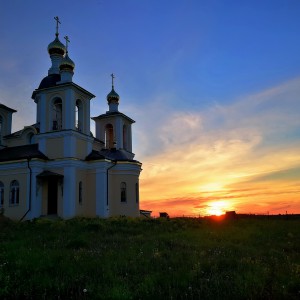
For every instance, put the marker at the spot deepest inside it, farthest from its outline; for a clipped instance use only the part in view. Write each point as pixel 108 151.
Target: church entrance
pixel 52 196
pixel 53 180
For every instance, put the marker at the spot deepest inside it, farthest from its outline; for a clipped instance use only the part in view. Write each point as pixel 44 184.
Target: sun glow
pixel 212 187
pixel 217 208
pixel 227 168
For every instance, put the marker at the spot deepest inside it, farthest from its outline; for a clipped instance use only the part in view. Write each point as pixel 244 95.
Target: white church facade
pixel 56 166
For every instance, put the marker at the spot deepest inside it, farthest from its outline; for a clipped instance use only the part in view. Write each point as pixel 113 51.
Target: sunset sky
pixel 213 85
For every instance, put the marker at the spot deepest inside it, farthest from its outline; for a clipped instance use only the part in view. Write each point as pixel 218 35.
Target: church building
pixel 56 166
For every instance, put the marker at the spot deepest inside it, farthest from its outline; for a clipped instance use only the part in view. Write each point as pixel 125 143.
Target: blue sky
pixel 218 74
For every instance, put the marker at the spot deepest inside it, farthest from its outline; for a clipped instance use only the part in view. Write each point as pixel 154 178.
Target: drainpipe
pixel 30 180
pixel 114 163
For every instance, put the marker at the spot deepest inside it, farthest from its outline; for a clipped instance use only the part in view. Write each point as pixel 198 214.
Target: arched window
pixel 1 194
pixel 80 192
pixel 137 194
pixel 109 136
pixel 125 137
pixel 14 193
pixel 123 192
pixel 57 115
pixel 79 116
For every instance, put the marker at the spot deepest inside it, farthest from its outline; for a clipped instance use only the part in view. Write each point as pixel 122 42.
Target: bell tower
pixel 63 107
pixel 114 127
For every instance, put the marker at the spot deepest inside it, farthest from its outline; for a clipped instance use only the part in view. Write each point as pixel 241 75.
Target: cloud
pixel 245 152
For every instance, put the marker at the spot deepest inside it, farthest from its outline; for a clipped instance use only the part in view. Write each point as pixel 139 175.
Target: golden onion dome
pixel 67 63
pixel 56 47
pixel 113 96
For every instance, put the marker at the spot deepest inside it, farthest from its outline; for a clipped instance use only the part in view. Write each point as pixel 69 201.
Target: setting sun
pixel 217 208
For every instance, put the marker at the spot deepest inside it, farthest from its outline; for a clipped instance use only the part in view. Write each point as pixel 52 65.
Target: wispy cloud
pixel 203 156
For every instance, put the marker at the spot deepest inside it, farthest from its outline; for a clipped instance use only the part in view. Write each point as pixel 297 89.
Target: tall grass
pixel 122 258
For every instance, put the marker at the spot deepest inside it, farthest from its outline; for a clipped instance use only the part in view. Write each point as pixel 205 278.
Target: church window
pixel 14 193
pixel 125 137
pixel 80 192
pixel 79 116
pixel 1 194
pixel 123 192
pixel 57 115
pixel 137 193
pixel 109 136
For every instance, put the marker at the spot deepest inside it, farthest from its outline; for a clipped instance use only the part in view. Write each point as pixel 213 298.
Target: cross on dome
pixel 67 64
pixel 67 42
pixel 113 98
pixel 56 49
pixel 57 22
pixel 112 79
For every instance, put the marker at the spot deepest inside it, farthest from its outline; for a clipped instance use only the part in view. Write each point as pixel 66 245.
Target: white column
pixel 43 113
pixel 86 118
pixel 119 132
pixel 129 138
pixel 9 123
pixel 69 192
pixel 38 108
pixel 36 195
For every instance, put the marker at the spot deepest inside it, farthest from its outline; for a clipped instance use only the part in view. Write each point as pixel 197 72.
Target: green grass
pixel 150 259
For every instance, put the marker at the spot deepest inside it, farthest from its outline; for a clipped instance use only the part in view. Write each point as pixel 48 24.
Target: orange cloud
pixel 250 162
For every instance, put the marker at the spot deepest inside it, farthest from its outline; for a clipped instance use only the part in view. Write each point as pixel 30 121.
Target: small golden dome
pixel 56 47
pixel 67 63
pixel 112 96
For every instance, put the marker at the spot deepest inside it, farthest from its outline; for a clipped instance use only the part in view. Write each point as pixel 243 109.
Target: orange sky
pixel 179 70
pixel 244 156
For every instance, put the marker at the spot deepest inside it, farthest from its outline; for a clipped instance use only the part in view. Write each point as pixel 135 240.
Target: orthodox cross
pixel 112 79
pixel 67 41
pixel 57 22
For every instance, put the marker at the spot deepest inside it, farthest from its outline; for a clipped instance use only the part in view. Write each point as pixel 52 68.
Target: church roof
pixel 53 80
pixel 111 154
pixel 49 81
pixel 113 113
pixel 7 108
pixel 21 152
pixel 19 132
pixel 94 155
pixel 114 154
pixel 47 174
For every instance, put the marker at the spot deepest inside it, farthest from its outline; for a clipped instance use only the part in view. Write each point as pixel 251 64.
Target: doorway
pixel 52 196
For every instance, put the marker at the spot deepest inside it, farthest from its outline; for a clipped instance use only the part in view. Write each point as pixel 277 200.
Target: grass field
pixel 150 259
